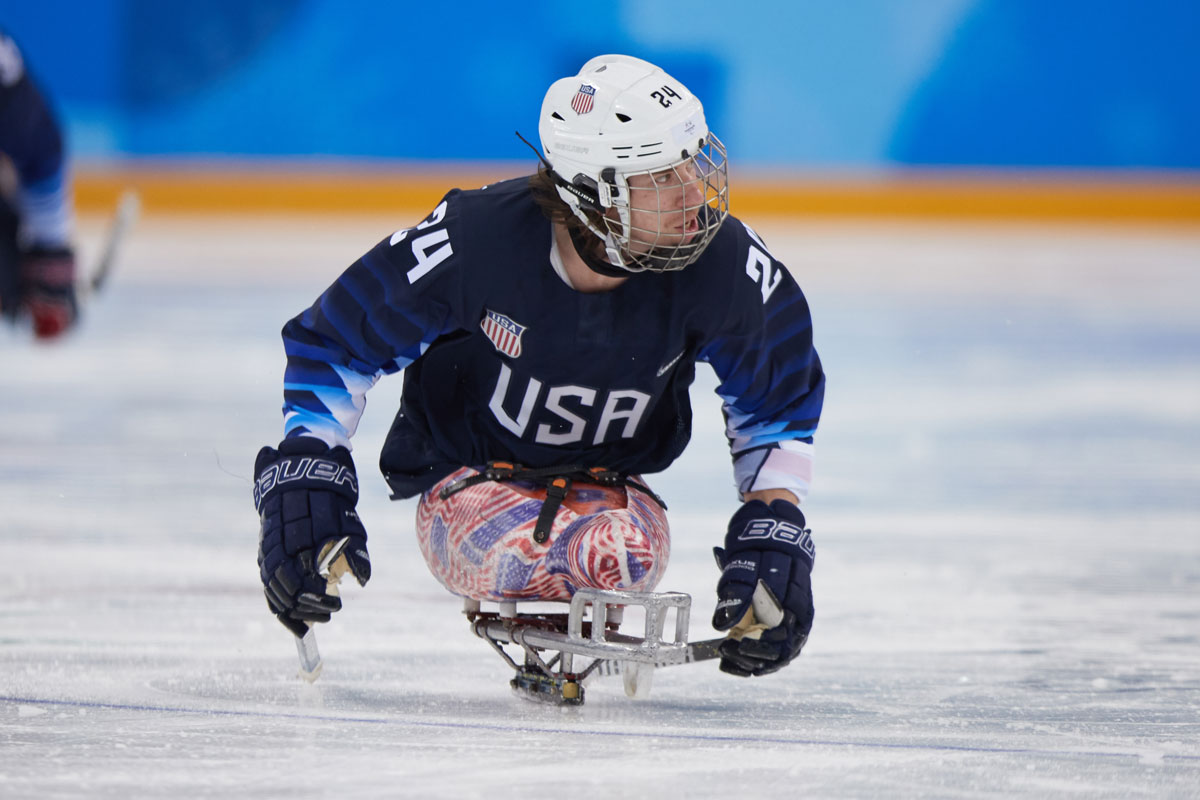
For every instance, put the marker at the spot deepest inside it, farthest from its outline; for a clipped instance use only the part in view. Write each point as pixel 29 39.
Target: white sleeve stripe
pixel 788 466
pixel 46 215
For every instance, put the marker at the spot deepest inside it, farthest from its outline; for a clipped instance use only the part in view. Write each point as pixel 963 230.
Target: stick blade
pixel 306 645
pixel 310 656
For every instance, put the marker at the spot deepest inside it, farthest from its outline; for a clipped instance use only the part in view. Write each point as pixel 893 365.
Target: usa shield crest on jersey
pixel 583 99
pixel 504 332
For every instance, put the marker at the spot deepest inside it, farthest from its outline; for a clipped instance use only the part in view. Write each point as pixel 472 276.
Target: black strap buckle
pixel 556 492
pixel 558 482
pixel 494 471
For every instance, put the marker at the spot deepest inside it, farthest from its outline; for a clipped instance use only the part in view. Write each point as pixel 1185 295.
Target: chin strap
pixel 597 265
pixel 588 200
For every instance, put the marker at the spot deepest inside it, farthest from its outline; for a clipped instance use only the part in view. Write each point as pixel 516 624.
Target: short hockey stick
pixel 306 645
pixel 127 212
pixel 704 650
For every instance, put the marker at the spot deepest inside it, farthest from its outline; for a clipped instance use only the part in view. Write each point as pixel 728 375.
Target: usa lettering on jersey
pixel 617 415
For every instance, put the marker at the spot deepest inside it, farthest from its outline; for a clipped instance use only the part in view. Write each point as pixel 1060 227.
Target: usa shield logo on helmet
pixel 584 98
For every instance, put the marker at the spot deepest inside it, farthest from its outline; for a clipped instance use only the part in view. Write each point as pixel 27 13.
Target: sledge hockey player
pixel 37 262
pixel 548 328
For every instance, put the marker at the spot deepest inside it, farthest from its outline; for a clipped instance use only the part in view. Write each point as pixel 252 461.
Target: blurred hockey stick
pixel 127 212
pixel 306 645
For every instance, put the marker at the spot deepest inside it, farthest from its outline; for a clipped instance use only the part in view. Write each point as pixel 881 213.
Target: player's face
pixel 664 207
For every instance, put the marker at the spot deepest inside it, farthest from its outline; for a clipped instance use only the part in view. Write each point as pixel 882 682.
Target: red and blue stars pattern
pixel 479 542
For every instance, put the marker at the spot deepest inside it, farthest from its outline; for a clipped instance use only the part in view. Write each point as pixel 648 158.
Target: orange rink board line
pixel 1066 196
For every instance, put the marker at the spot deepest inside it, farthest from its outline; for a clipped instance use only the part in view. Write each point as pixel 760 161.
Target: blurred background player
pixel 548 328
pixel 37 263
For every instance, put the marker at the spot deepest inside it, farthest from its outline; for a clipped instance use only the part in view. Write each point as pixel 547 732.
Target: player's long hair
pixel 545 194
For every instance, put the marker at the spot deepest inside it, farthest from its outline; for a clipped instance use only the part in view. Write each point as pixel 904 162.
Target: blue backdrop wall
pixel 859 84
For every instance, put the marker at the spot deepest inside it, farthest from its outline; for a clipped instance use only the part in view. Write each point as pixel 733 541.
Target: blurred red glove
pixel 48 290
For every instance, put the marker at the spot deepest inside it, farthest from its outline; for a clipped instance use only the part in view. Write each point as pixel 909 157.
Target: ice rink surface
pixel 1006 511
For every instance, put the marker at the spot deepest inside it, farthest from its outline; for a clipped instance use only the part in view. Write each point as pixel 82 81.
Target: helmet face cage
pixel 634 160
pixel 661 220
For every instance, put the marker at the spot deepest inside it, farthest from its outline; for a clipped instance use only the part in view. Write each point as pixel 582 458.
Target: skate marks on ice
pixel 447 745
pixel 1005 518
pixel 993 694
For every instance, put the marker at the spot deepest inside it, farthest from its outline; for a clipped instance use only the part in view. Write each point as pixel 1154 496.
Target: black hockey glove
pixel 764 596
pixel 305 495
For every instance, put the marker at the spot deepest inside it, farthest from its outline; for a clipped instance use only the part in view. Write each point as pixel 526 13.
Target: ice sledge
pixel 553 645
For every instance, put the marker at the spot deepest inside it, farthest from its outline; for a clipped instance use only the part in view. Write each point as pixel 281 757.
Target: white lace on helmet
pixel 628 143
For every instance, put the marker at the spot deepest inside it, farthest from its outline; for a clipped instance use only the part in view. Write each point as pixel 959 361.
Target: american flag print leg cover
pixel 478 542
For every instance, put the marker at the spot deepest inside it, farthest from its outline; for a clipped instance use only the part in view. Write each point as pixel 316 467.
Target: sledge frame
pixel 578 633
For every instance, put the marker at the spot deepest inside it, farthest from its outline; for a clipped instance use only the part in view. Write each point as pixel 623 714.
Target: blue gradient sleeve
pixel 771 381
pixel 373 321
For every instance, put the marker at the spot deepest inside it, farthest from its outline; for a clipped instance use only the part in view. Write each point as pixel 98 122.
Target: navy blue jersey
pixel 503 360
pixel 31 140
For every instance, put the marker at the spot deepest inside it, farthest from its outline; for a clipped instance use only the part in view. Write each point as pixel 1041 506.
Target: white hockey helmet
pixel 621 124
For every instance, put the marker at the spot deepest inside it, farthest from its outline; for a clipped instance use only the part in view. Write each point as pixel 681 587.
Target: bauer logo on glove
pixel 287 470
pixel 305 494
pixel 764 596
